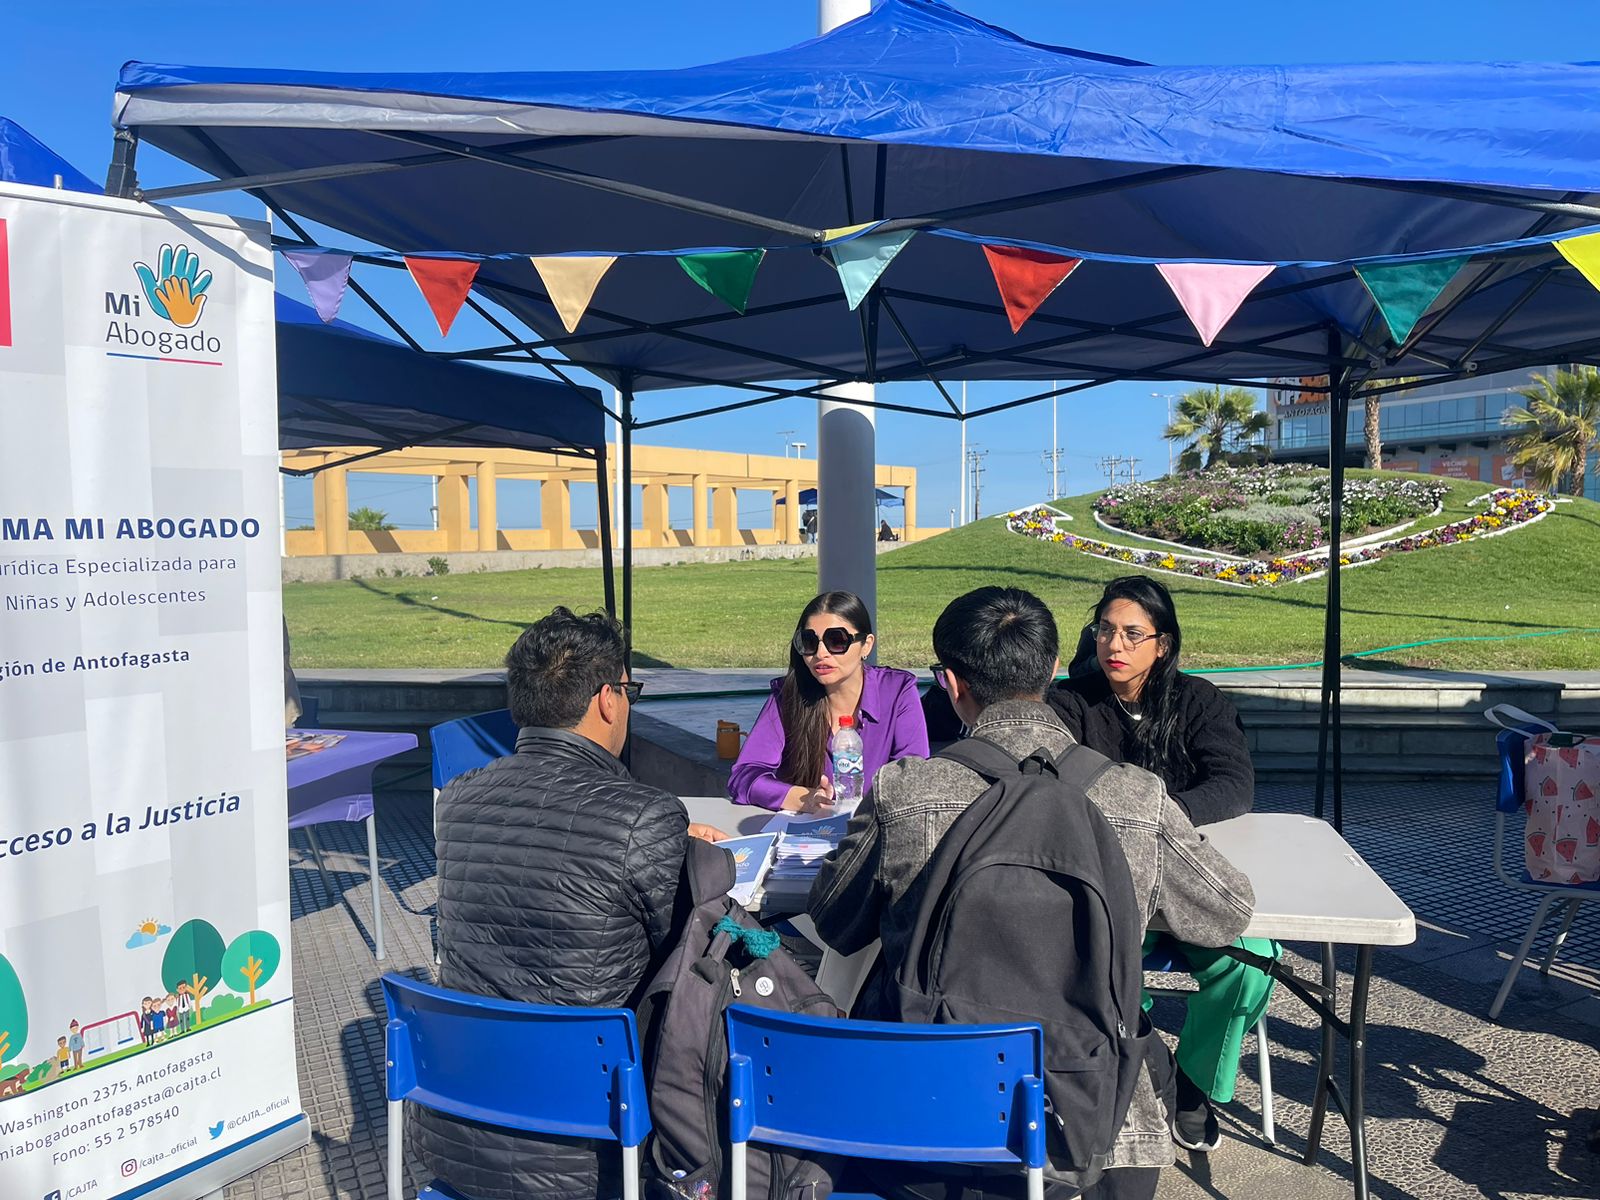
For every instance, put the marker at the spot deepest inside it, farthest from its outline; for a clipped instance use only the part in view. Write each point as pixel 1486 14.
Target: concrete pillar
pixel 789 531
pixel 701 533
pixel 908 518
pixel 555 514
pixel 455 513
pixel 655 515
pixel 847 526
pixel 725 515
pixel 488 507
pixel 335 483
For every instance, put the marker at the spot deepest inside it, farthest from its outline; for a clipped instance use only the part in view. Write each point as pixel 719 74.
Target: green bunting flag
pixel 727 274
pixel 1404 291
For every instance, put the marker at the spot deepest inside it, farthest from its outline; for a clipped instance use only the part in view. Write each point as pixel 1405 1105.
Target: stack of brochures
pixel 805 843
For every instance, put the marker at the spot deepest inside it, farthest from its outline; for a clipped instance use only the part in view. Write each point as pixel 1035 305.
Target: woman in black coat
pixel 1126 698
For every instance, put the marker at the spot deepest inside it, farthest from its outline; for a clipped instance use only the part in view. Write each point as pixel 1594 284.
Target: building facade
pixel 1450 429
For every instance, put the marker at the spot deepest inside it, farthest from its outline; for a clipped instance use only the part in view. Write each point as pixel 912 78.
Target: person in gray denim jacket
pixel 998 650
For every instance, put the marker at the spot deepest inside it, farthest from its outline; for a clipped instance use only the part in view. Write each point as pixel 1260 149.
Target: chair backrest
pixel 938 1093
pixel 539 1068
pixel 471 742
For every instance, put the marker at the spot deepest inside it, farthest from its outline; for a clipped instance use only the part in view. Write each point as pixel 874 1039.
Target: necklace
pixel 1133 713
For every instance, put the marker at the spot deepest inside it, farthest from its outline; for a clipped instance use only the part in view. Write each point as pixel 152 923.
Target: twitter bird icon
pixel 216 1131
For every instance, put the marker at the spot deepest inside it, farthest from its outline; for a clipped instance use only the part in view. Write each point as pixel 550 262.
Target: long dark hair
pixel 1158 738
pixel 803 702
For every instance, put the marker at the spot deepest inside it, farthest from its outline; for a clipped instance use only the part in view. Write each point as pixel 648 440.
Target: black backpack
pixel 722 958
pixel 1030 915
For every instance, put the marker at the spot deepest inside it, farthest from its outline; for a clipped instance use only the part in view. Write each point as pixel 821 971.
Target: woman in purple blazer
pixel 785 762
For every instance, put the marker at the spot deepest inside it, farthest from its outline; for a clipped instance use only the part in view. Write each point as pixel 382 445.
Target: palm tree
pixel 370 520
pixel 1215 422
pixel 1557 428
pixel 1372 427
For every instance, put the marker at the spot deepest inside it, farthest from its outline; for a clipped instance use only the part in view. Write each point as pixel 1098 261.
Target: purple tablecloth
pixel 336 784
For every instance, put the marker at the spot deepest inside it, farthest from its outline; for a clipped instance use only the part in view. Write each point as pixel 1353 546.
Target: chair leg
pixel 1269 1128
pixel 1555 946
pixel 630 1173
pixel 396 1167
pixel 1522 952
pixel 372 862
pixel 738 1164
pixel 316 853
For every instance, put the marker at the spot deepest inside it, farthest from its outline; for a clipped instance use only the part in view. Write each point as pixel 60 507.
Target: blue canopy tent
pixel 919 118
pixel 340 385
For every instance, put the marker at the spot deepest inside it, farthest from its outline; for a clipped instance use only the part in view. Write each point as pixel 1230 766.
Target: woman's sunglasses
pixel 837 640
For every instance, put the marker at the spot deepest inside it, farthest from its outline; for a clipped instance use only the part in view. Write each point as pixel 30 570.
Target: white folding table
pixel 1310 886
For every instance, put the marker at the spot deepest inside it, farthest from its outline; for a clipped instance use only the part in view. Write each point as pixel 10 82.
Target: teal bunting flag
pixel 1404 291
pixel 862 260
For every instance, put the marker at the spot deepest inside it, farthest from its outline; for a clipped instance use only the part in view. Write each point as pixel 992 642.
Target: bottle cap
pixel 846 722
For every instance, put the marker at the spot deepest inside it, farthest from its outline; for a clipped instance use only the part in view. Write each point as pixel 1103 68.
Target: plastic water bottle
pixel 848 784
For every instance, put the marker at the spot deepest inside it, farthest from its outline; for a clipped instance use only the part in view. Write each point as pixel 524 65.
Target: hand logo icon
pixel 177 290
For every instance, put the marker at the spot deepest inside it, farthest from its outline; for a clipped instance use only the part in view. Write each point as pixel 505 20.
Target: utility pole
pixel 1111 464
pixel 785 435
pixel 1052 467
pixel 1055 448
pixel 976 457
pixel 799 450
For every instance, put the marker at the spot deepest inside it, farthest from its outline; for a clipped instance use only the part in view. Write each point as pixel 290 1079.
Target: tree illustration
pixel 13 1012
pixel 194 956
pixel 251 959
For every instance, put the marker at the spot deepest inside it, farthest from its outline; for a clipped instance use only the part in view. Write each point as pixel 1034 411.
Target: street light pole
pixel 962 471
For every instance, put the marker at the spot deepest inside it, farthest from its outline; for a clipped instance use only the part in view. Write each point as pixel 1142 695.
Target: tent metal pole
pixel 626 515
pixel 1330 756
pixel 602 493
pixel 121 177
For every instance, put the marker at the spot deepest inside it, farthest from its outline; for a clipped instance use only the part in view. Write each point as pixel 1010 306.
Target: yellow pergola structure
pixel 713 477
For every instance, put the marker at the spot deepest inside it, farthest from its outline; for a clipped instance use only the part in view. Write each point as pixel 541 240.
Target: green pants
pixel 1230 1000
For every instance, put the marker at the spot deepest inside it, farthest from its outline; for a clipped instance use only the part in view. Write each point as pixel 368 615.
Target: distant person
pixel 1134 705
pixel 886 533
pixel 558 884
pixel 785 762
pixel 808 525
pixel 997 651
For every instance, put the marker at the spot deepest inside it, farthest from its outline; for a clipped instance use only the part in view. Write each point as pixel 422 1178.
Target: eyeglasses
pixel 941 675
pixel 1131 638
pixel 837 640
pixel 628 687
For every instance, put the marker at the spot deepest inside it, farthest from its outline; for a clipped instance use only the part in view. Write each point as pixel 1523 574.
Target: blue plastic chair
pixel 1513 744
pixel 574 1072
pixel 469 743
pixel 1161 961
pixel 917 1093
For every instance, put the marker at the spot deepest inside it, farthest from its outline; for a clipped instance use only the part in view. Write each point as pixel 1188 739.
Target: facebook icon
pixel 55 1195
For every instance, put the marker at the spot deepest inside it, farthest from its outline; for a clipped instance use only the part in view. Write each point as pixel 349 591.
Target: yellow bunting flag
pixel 570 283
pixel 844 231
pixel 1583 253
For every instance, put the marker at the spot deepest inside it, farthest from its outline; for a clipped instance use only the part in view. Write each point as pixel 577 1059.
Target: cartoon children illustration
pixel 172 1016
pixel 185 1008
pixel 63 1056
pixel 75 1044
pixel 147 1022
pixel 158 1021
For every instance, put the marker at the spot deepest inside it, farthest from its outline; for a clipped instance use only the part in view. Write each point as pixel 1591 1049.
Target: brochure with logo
pixel 752 856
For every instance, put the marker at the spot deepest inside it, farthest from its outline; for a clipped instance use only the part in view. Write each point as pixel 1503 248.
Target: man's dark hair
pixel 1001 641
pixel 554 669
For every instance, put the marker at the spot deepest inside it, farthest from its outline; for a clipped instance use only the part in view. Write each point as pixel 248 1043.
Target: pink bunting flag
pixel 1210 293
pixel 444 284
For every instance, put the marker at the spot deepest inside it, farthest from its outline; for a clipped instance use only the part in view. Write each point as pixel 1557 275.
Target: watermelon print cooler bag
pixel 1561 796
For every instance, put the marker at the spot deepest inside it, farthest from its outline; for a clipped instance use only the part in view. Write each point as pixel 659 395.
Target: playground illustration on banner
pixel 196 966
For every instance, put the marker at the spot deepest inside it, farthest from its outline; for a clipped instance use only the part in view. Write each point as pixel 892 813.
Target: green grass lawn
pixel 1543 577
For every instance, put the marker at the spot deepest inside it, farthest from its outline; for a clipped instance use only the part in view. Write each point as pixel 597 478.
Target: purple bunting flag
pixel 325 274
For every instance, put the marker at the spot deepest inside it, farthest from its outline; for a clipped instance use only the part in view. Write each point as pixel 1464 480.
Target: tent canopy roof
pixel 917 112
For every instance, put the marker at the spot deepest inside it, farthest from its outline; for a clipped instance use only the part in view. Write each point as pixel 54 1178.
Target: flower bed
pixel 1505 509
pixel 1250 511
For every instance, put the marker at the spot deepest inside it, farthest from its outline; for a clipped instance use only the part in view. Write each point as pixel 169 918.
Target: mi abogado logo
pixel 161 322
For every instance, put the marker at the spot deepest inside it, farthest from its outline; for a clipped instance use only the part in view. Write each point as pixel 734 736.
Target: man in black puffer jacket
pixel 558 884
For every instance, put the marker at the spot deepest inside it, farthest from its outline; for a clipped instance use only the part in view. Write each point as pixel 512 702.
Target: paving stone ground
pixel 1458 1106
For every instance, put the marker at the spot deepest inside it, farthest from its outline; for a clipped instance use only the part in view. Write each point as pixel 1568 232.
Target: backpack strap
pixel 1077 765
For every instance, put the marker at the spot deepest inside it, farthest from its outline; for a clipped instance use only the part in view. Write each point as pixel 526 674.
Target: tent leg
pixel 626 468
pixel 602 491
pixel 1330 756
pixel 121 177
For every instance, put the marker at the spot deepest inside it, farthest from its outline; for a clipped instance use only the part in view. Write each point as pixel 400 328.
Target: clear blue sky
pixel 64 56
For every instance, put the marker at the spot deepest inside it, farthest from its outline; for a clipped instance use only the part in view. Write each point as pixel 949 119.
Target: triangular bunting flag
pixel 1403 291
pixel 727 274
pixel 325 277
pixel 1583 253
pixel 860 261
pixel 1026 278
pixel 570 283
pixel 1210 293
pixel 833 235
pixel 444 284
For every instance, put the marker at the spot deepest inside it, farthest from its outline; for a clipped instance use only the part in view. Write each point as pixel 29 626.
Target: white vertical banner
pixel 146 1015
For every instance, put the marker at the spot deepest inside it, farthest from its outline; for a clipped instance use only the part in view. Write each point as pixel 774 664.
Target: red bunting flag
pixel 1026 278
pixel 444 284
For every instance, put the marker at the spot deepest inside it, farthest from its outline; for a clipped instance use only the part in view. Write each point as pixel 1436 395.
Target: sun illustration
pixel 148 931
